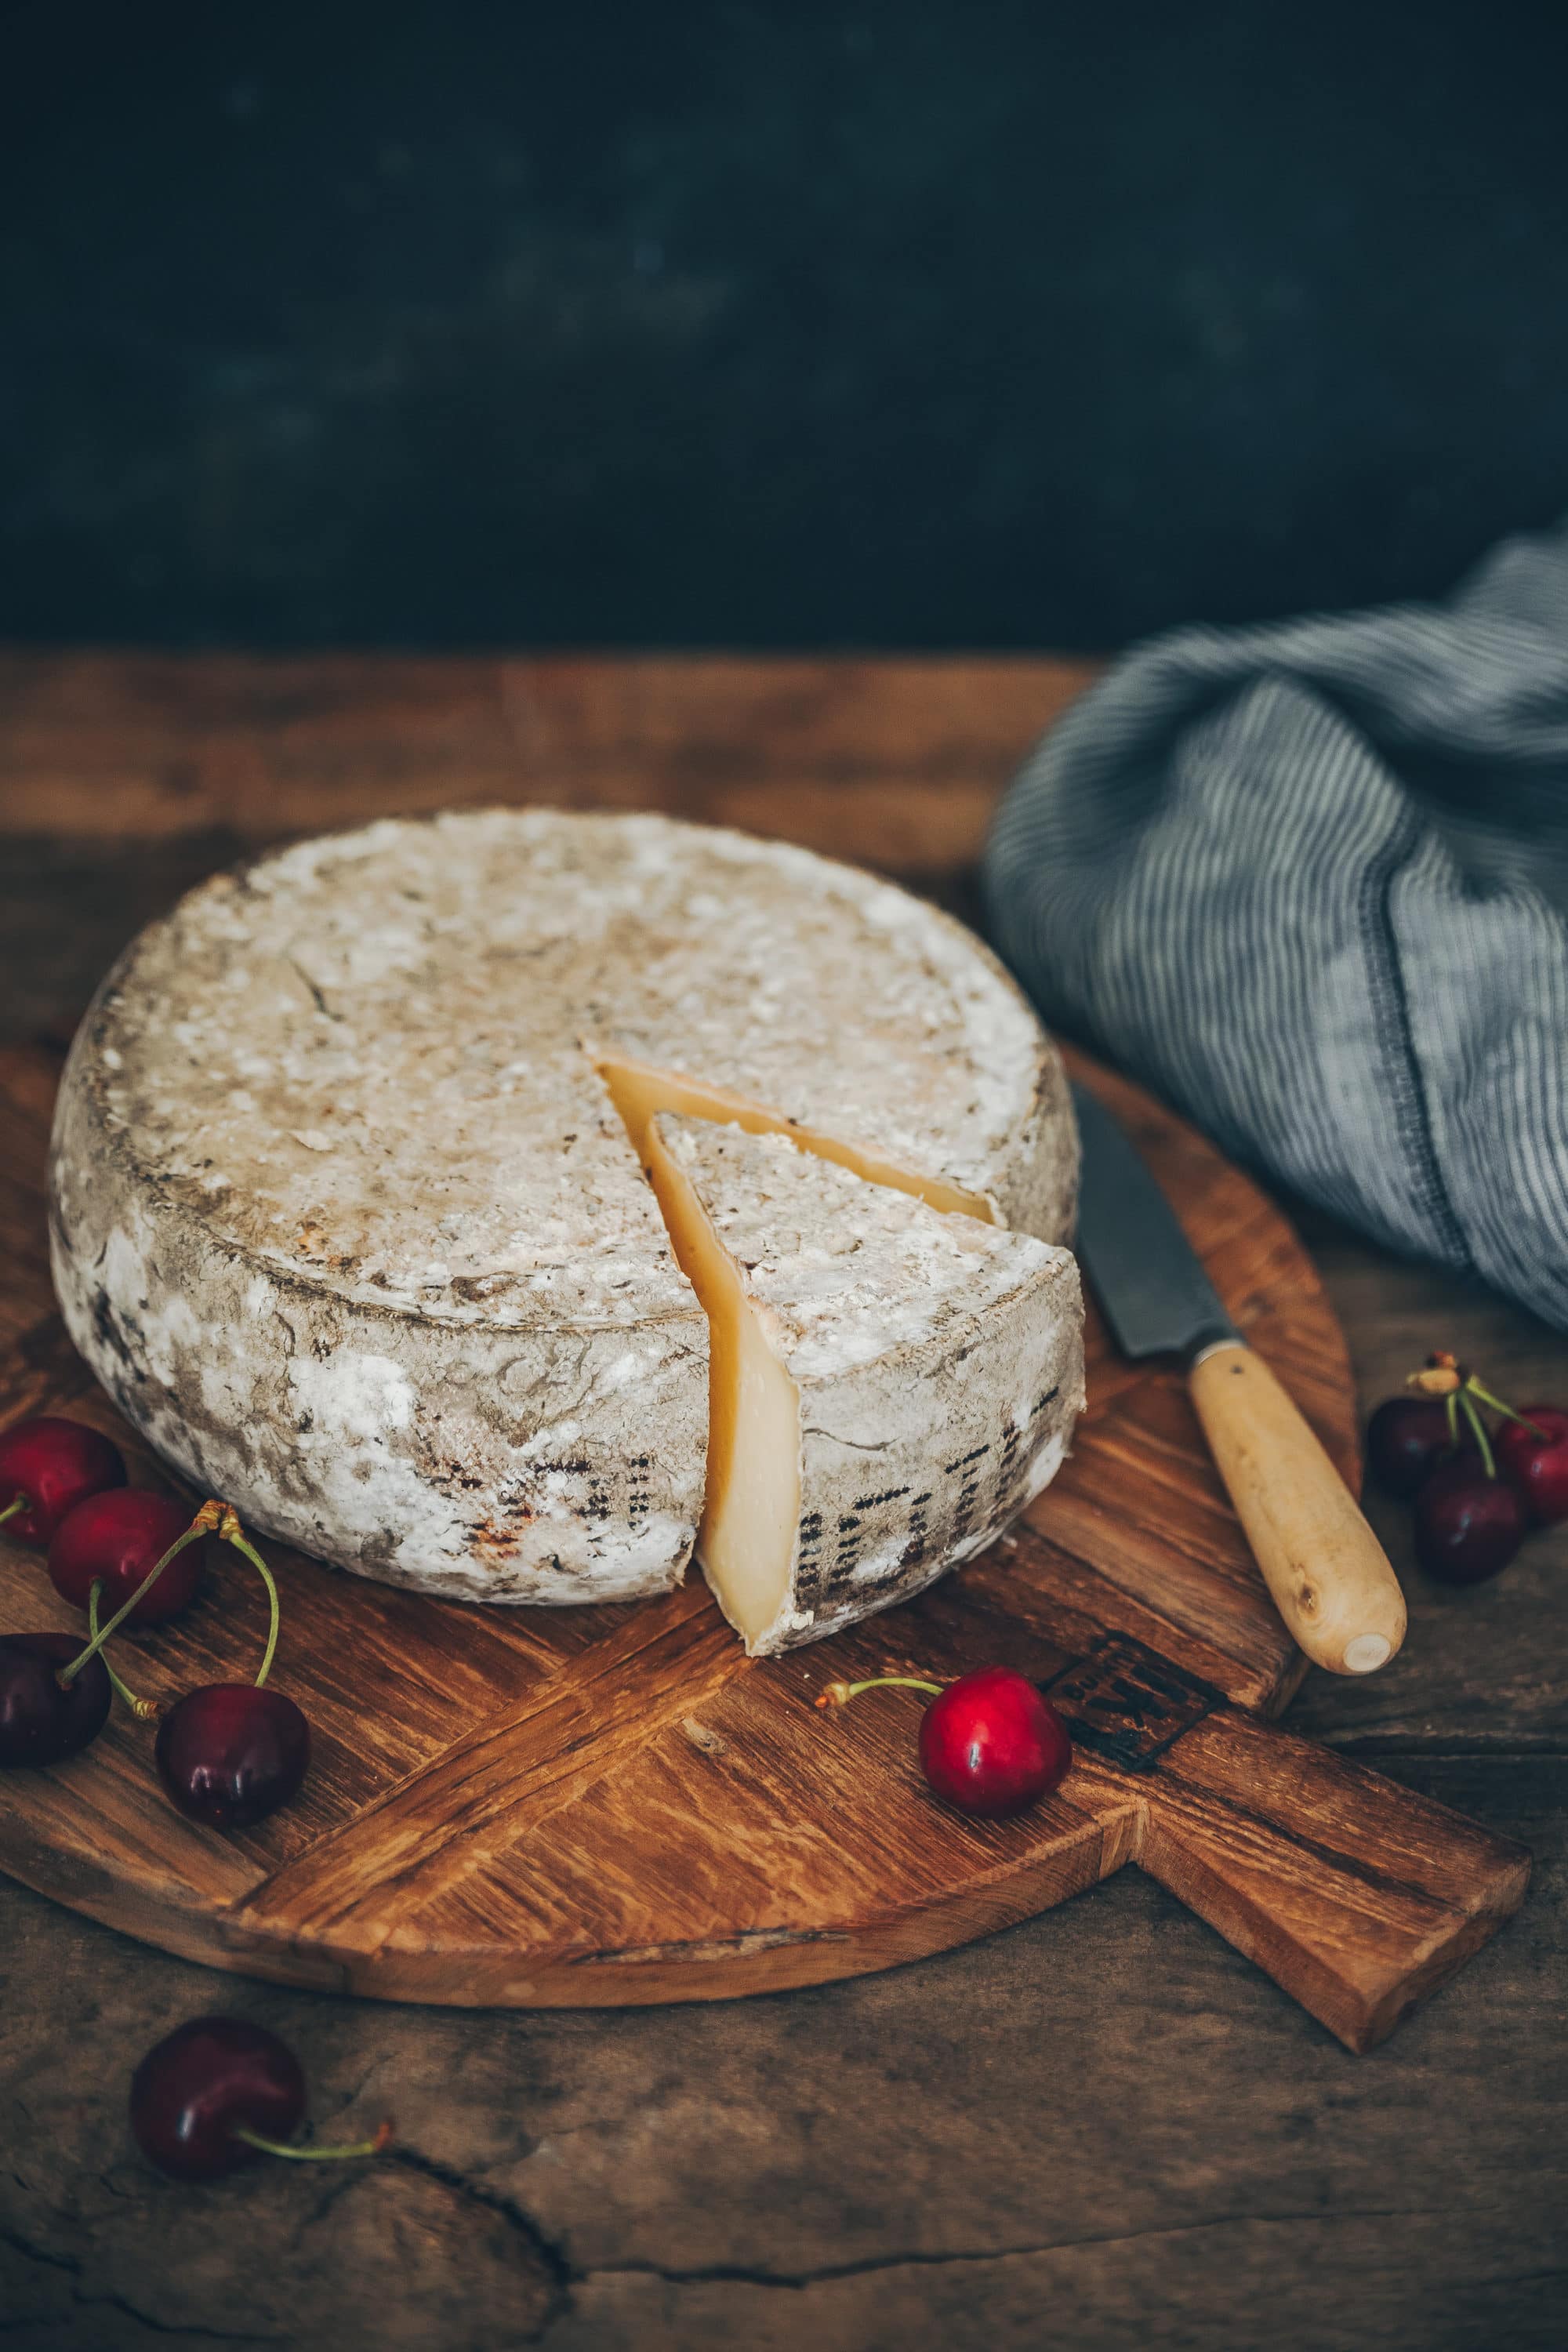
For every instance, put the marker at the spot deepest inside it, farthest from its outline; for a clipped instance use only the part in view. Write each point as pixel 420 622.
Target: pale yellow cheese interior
pixel 746 1542
pixel 639 1093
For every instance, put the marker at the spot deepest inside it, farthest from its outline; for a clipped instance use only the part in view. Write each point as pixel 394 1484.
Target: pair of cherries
pixel 1477 1489
pixel 227 1753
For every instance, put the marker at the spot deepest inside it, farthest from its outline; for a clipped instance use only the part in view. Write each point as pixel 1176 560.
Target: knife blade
pixel 1149 1281
pixel 1326 1572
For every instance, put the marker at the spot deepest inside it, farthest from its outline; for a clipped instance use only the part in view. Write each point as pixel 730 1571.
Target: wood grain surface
pixel 580 1807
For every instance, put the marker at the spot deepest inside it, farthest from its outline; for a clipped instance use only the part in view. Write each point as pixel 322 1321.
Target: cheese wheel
pixel 345 1216
pixel 890 1385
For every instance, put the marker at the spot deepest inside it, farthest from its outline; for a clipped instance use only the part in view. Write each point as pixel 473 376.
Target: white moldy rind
pixel 938 1362
pixel 342 1216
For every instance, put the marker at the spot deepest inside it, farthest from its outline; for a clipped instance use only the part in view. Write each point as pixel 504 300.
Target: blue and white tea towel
pixel 1311 882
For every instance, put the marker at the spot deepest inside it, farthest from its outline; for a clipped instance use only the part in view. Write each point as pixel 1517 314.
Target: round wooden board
pixel 611 1805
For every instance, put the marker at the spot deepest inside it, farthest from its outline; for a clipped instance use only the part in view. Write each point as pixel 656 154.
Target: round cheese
pixel 345 1216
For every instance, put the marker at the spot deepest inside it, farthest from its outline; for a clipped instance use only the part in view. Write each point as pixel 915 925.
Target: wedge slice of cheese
pixel 344 1216
pixel 888 1385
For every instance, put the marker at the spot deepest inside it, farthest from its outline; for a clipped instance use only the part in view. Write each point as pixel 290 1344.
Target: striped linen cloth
pixel 1311 881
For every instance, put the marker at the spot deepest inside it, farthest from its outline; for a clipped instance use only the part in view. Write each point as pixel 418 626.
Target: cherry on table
pixel 43 1720
pixel 990 1743
pixel 115 1539
pixel 217 2094
pixel 231 1753
pixel 1534 1460
pixel 48 1465
pixel 1406 1439
pixel 1468 1526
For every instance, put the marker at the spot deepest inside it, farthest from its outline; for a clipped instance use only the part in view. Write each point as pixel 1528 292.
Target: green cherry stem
pixel 145 1710
pixel 1451 1405
pixel 1489 1461
pixel 231 1530
pixel 840 1693
pixel 1475 1389
pixel 11 1509
pixel 373 2147
pixel 205 1520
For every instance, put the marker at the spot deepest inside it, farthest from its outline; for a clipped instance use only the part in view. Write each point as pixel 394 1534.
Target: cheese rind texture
pixel 938 1369
pixel 343 1216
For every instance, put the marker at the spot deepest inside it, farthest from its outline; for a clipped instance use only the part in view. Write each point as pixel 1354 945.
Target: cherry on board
pixel 1534 1460
pixel 217 2094
pixel 115 1540
pixel 990 1743
pixel 48 1465
pixel 231 1753
pixel 1468 1526
pixel 43 1720
pixel 1406 1438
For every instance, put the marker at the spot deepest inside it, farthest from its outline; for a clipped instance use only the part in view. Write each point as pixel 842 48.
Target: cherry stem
pixel 205 1520
pixel 145 1710
pixel 1507 1410
pixel 231 1530
pixel 11 1509
pixel 374 2146
pixel 840 1693
pixel 1451 1405
pixel 1489 1463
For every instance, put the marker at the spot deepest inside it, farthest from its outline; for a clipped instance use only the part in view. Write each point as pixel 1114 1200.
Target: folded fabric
pixel 1311 882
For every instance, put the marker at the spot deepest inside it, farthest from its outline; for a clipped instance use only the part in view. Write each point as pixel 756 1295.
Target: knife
pixel 1329 1575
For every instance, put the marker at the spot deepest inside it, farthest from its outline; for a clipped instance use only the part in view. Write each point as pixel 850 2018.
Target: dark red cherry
pixel 230 1754
pixel 48 1465
pixel 992 1743
pixel 40 1723
pixel 1467 1526
pixel 1537 1466
pixel 209 2079
pixel 217 2092
pixel 120 1538
pixel 1406 1438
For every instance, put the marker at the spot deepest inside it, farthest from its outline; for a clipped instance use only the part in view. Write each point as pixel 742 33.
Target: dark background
pixel 927 323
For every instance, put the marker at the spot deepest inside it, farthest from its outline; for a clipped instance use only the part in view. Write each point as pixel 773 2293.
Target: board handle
pixel 1357 1896
pixel 1328 1574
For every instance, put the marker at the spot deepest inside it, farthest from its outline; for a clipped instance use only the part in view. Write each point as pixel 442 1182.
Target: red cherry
pixel 48 1465
pixel 217 2093
pixel 1537 1466
pixel 118 1538
pixel 1406 1438
pixel 229 1753
pixel 40 1721
pixel 1467 1526
pixel 209 2077
pixel 992 1743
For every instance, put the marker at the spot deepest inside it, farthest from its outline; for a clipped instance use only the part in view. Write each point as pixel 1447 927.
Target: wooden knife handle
pixel 1329 1575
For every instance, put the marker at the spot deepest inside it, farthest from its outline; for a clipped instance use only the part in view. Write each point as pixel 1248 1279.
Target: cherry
pixel 231 1753
pixel 112 1539
pixel 1533 1454
pixel 1468 1526
pixel 217 2093
pixel 46 1466
pixel 43 1719
pixel 990 1743
pixel 1406 1438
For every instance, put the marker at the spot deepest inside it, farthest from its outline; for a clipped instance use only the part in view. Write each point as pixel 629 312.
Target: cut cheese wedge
pixel 888 1385
pixel 345 1217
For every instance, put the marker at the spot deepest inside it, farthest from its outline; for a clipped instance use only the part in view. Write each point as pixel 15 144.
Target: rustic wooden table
pixel 1102 2130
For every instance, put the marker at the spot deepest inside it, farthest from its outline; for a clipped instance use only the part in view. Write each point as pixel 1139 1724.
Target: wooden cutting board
pixel 611 1805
